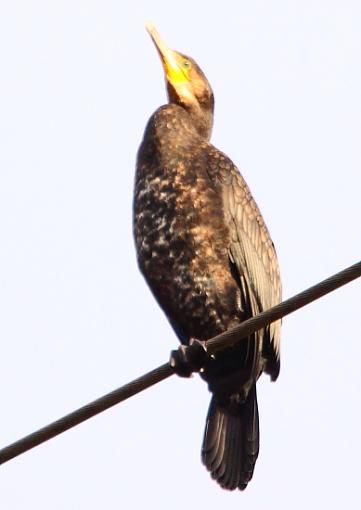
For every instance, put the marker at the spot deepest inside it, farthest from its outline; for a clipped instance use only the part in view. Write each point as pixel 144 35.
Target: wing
pixel 251 251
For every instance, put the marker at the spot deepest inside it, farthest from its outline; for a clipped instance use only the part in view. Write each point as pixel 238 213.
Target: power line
pixel 292 304
pixel 84 413
pixel 227 338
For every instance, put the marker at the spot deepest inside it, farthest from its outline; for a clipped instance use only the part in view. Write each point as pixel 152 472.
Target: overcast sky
pixel 79 79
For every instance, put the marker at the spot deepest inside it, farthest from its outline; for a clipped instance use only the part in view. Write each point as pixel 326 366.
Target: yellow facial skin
pixel 176 68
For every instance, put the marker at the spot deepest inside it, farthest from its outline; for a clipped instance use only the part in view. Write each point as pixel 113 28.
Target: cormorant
pixel 208 258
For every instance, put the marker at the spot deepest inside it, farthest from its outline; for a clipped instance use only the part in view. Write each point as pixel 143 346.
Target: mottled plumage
pixel 207 256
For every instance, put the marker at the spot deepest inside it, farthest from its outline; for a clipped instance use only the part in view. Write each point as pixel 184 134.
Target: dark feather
pixel 231 442
pixel 208 258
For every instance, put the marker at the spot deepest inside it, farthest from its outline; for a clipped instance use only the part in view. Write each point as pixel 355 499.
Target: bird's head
pixel 187 85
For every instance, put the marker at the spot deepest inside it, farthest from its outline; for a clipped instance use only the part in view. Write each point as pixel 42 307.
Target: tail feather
pixel 231 442
pixel 219 445
pixel 230 475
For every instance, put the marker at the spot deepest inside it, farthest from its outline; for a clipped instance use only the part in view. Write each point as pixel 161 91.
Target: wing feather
pixel 251 251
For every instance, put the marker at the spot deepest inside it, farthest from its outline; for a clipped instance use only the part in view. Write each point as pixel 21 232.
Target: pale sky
pixel 79 79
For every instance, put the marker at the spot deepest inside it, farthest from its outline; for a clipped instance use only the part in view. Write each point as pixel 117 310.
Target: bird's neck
pixel 201 119
pixel 203 123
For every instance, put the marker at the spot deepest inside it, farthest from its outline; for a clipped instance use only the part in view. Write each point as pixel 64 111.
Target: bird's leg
pixel 188 358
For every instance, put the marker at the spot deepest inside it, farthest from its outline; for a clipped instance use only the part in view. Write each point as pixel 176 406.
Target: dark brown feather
pixel 231 443
pixel 208 258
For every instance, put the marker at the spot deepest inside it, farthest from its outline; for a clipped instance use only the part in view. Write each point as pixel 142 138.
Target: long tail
pixel 231 443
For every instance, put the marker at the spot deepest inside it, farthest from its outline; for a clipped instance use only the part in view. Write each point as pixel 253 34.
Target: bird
pixel 208 258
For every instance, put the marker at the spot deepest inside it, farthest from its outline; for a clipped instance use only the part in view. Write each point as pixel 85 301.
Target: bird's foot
pixel 188 358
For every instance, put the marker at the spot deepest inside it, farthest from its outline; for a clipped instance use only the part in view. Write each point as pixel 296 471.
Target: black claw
pixel 188 358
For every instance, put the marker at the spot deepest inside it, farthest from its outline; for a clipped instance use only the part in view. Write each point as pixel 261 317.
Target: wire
pixel 284 308
pixel 84 413
pixel 164 371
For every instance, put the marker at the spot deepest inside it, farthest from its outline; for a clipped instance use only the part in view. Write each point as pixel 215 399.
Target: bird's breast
pixel 182 239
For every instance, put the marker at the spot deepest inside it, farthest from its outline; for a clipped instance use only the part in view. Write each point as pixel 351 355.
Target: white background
pixel 78 81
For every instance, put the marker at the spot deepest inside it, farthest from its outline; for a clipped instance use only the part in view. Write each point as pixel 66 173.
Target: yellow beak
pixel 174 73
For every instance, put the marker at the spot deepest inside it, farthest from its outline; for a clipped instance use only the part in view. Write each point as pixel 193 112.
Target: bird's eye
pixel 186 64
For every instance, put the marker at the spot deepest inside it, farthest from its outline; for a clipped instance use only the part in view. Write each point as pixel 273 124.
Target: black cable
pixel 84 413
pixel 159 374
pixel 292 304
